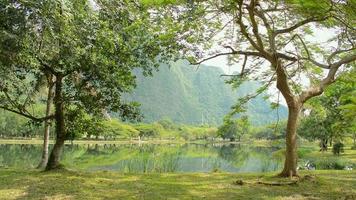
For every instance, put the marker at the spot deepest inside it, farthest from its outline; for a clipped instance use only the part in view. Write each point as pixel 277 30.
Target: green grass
pixel 348 154
pixel 32 184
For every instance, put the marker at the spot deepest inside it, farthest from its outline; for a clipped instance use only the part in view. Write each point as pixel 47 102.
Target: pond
pixel 150 158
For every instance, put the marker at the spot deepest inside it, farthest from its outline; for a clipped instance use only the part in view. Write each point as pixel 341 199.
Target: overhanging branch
pixel 31 117
pixel 233 52
pixel 300 24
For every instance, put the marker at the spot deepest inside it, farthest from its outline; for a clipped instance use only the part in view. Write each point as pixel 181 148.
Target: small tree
pixel 338 148
pixel 229 129
pixel 243 126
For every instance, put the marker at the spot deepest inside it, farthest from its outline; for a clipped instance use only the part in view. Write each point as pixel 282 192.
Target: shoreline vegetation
pixel 308 152
pixel 134 141
pixel 67 184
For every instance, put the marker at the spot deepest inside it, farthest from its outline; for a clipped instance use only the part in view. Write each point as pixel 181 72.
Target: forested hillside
pixel 189 95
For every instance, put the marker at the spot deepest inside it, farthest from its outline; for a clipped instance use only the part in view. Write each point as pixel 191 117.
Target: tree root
pixel 290 175
pixel 282 183
pixel 277 183
pixel 241 182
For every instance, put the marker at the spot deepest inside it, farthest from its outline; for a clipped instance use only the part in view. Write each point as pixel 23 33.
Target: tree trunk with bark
pixel 47 125
pixel 290 163
pixel 294 108
pixel 53 162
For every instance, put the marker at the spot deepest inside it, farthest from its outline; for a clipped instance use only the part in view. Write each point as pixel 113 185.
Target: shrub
pixel 331 163
pixel 338 148
pixel 302 152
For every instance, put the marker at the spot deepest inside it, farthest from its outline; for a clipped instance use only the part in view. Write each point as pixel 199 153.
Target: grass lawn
pixel 348 154
pixel 32 184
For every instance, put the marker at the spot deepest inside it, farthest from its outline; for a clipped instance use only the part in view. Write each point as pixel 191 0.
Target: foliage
pixel 148 130
pixel 80 124
pixel 13 125
pixel 113 129
pixel 329 118
pixel 338 148
pixel 234 128
pixel 332 163
pixel 274 131
pixel 229 129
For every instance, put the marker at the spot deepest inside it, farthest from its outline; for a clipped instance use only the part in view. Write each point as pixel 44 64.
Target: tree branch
pixel 233 52
pixel 330 78
pixel 299 24
pixel 46 67
pixel 27 115
pixel 243 28
pixel 254 24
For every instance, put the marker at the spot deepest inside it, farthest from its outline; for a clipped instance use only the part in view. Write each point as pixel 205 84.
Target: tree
pixel 148 130
pixel 17 91
pixel 243 126
pixel 348 105
pixel 47 123
pixel 90 48
pixel 315 127
pixel 270 41
pixel 327 120
pixel 234 128
pixel 229 129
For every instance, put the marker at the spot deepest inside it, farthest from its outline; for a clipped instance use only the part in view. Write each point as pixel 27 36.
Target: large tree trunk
pixel 294 107
pixel 290 163
pixel 53 162
pixel 47 126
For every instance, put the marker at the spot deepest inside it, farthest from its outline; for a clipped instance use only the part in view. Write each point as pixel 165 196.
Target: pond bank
pixel 33 184
pixel 153 141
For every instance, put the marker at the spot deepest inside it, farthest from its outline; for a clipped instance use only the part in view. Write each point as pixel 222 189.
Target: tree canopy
pixel 89 47
pixel 273 42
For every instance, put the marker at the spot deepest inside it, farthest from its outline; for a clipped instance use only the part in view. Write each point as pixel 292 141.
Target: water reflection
pixel 158 158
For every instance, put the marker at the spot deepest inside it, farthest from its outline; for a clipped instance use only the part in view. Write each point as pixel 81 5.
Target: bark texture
pixel 53 162
pixel 291 158
pixel 47 126
pixel 294 107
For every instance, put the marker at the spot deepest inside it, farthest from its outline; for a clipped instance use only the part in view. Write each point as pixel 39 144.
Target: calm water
pixel 151 157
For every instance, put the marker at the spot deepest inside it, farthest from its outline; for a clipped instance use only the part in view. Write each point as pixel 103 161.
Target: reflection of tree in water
pixel 268 162
pixel 234 153
pixel 255 158
pixel 22 156
pixel 147 157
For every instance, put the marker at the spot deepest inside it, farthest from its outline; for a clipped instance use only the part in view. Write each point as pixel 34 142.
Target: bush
pixel 338 148
pixel 302 152
pixel 331 163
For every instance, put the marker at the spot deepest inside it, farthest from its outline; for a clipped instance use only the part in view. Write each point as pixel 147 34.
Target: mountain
pixel 188 95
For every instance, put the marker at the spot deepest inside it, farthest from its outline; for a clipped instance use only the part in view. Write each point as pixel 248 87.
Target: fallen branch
pixel 277 183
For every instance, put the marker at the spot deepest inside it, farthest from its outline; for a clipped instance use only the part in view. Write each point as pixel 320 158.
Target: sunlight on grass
pixel 12 193
pixel 17 184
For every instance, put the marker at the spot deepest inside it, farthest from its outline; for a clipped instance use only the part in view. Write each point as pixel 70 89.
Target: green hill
pixel 188 95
